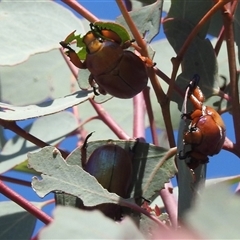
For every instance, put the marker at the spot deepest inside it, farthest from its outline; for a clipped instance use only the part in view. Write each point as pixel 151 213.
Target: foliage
pixel 41 89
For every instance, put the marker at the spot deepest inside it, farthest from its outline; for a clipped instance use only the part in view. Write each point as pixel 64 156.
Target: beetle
pixel 111 165
pixel 206 131
pixel 114 70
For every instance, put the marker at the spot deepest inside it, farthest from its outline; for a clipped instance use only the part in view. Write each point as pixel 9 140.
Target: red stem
pixel 229 31
pixel 24 203
pixel 139 116
pixel 170 204
pixel 153 127
pixel 11 125
pixel 14 180
pixel 81 10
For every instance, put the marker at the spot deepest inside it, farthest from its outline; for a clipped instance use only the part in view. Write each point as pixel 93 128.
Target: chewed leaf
pixel 71 179
pixel 117 28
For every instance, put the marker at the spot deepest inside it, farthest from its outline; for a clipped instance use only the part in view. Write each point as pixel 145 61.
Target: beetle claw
pixel 186 116
pixel 95 91
pixel 193 84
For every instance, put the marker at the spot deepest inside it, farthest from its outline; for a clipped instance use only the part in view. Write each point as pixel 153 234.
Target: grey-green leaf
pixel 72 179
pixel 14 113
pixel 16 222
pixel 147 20
pixel 216 207
pixel 56 128
pixel 71 223
pixel 32 27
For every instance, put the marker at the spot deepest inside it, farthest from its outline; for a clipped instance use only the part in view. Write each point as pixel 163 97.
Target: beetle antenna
pixel 86 139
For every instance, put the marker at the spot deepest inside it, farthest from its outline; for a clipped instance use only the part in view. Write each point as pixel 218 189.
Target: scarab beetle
pixel 206 132
pixel 111 165
pixel 115 70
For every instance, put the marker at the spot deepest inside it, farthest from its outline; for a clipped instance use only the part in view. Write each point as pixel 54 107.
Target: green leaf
pixel 147 20
pixel 117 28
pixel 191 12
pixel 20 35
pixel 217 207
pixel 43 76
pixel 16 222
pixel 14 113
pixel 72 179
pixel 56 128
pixel 70 223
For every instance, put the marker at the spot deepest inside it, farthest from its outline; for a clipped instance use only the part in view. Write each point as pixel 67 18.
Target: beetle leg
pixel 148 62
pixel 186 116
pixel 73 56
pixel 93 85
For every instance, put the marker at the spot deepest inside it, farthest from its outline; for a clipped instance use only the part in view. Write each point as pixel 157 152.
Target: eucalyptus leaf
pixel 70 223
pixel 13 113
pixel 72 179
pixel 191 12
pixel 16 222
pixel 41 77
pixel 147 20
pixel 47 21
pixel 216 207
pixel 56 128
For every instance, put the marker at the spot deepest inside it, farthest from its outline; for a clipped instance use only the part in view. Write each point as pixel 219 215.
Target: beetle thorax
pixel 92 43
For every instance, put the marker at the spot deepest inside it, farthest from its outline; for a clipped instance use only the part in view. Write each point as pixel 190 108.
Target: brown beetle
pixel 111 165
pixel 206 132
pixel 114 69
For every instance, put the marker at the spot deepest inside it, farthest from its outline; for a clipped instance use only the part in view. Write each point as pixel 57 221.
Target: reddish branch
pixel 11 125
pixel 229 33
pixel 24 203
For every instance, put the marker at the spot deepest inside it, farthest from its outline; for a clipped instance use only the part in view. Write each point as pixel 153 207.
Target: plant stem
pixel 24 203
pixel 146 93
pixel 11 125
pixel 139 109
pixel 81 10
pixel 229 31
pixel 108 120
pixel 170 204
pixel 15 180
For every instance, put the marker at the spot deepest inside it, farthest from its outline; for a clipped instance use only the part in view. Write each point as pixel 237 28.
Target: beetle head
pixel 92 43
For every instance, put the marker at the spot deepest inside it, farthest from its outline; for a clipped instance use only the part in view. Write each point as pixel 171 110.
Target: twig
pixel 139 109
pixel 11 125
pixel 229 31
pixel 15 180
pixel 146 93
pixel 81 10
pixel 24 203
